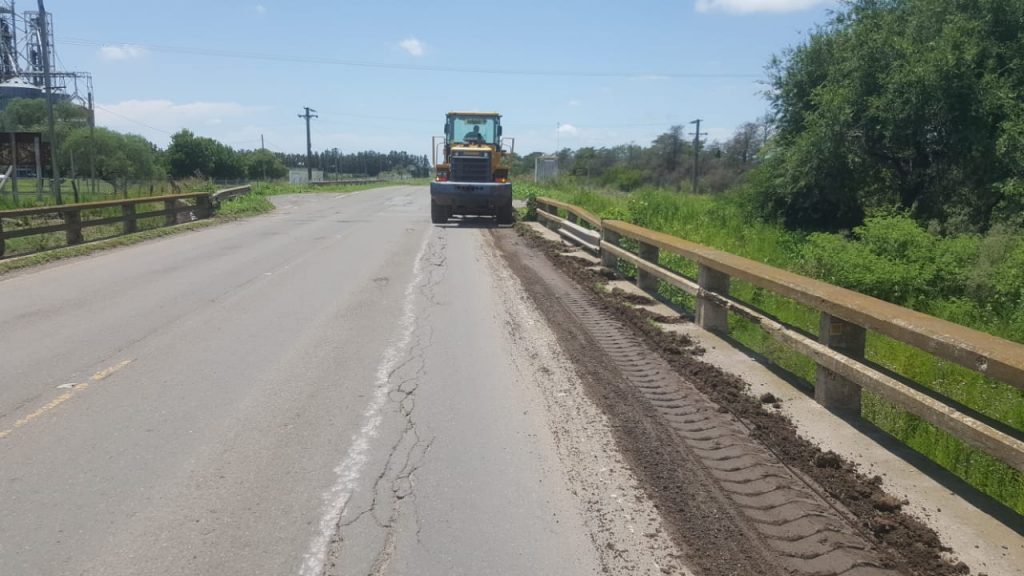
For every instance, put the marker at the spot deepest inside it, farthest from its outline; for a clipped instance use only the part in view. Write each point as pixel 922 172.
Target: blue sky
pixel 610 72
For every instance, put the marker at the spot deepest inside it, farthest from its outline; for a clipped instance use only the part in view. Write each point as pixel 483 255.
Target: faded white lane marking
pixel 349 470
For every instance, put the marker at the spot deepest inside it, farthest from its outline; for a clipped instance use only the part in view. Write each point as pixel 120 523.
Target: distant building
pixel 545 168
pixel 301 175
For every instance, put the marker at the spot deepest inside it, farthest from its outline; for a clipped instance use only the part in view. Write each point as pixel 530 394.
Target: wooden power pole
pixel 309 142
pixel 696 154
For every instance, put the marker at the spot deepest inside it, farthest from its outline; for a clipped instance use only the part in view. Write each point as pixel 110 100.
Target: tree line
pixel 120 158
pixel 367 163
pixel 667 162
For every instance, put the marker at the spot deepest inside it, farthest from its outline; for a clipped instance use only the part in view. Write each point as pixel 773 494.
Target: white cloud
pixel 568 129
pixel 157 119
pixel 413 46
pixel 752 6
pixel 122 52
pixel 260 9
pixel 574 103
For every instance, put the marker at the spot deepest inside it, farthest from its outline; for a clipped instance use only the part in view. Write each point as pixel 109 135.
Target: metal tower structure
pixel 22 46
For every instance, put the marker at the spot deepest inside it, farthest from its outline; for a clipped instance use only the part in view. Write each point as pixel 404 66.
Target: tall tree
pixel 912 103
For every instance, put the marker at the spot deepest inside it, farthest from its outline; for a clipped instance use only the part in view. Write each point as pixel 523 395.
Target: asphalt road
pixel 334 388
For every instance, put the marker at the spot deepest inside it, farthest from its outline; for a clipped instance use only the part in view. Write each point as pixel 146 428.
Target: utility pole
pixel 696 154
pixel 309 143
pixel 92 144
pixel 263 145
pixel 45 41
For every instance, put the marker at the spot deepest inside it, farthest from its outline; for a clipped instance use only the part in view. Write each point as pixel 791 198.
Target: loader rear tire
pixel 506 215
pixel 438 213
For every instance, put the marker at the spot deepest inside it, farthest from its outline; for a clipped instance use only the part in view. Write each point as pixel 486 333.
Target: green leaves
pixel 913 103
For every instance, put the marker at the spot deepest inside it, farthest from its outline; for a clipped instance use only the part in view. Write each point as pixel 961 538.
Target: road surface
pixel 334 388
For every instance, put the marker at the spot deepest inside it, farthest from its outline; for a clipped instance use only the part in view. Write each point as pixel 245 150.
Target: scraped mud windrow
pixel 740 491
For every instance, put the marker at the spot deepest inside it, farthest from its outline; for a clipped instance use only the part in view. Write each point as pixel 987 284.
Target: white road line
pixel 349 470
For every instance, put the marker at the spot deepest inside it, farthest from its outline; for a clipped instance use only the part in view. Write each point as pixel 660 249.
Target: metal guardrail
pixel 229 193
pixel 846 316
pixel 72 223
pixel 579 226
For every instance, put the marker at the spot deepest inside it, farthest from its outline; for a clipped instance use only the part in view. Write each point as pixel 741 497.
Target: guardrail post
pixel 572 218
pixel 712 316
pixel 645 280
pixel 554 212
pixel 609 260
pixel 131 224
pixel 73 221
pixel 3 245
pixel 172 217
pixel 204 207
pixel 831 390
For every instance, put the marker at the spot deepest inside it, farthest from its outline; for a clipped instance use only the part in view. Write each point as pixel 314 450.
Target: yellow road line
pixel 108 371
pixel 101 375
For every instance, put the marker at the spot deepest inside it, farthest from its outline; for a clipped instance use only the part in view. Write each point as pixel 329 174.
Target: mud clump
pixel 828 460
pixel 631 298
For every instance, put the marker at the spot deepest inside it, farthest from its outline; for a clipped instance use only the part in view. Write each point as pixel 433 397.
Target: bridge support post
pixel 73 221
pixel 204 207
pixel 835 393
pixel 572 218
pixel 553 210
pixel 645 280
pixel 609 260
pixel 131 224
pixel 711 315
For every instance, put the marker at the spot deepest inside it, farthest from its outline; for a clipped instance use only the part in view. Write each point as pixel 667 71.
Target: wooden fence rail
pixel 845 318
pixel 72 222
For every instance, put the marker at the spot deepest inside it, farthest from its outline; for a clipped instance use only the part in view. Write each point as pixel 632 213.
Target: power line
pixel 132 120
pixel 406 67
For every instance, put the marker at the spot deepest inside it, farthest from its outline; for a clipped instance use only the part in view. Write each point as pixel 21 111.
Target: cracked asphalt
pixel 335 388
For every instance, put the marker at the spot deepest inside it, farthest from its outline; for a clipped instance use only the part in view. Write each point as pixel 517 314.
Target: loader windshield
pixel 472 129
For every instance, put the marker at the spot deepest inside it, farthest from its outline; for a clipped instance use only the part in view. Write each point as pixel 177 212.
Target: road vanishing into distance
pixel 338 387
pixel 341 388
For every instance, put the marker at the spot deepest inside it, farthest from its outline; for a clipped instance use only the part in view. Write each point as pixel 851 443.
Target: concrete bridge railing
pixel 72 219
pixel 845 318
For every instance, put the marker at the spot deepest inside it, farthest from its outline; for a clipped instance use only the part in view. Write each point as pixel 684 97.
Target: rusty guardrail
pixel 72 223
pixel 846 316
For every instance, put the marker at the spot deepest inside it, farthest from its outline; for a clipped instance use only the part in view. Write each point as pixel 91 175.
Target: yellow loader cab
pixel 472 177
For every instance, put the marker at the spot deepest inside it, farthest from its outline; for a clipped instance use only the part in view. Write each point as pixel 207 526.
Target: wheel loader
pixel 472 176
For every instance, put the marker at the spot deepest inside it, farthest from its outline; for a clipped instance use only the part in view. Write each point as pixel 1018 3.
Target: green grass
pixel 27 197
pixel 721 222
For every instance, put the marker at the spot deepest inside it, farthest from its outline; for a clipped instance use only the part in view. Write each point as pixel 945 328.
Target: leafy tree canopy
pixel 908 103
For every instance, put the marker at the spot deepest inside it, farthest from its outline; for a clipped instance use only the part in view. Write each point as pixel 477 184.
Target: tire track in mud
pixel 713 479
pixel 808 534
